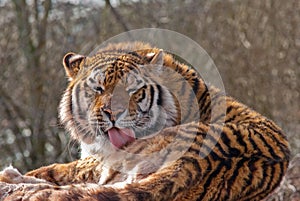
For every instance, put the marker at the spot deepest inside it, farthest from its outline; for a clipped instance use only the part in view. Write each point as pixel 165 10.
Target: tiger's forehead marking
pixel 113 65
pixel 111 57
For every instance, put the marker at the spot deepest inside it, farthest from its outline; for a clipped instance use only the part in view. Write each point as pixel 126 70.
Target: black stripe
pixel 233 152
pixel 281 146
pixel 280 176
pixel 160 95
pixel 209 151
pixel 209 180
pixel 104 62
pixel 270 149
pixel 253 194
pixel 196 166
pixel 195 85
pixel 152 91
pixel 131 66
pixel 195 151
pixel 135 54
pixel 229 109
pixel 253 143
pixel 269 186
pixel 204 94
pixel 236 174
pixel 239 137
pixel 228 165
pixel 237 115
pixel 205 107
pixel 249 179
pixel 260 191
pixel 226 142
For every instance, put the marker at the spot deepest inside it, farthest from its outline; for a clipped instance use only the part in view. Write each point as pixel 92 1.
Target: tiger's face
pixel 114 99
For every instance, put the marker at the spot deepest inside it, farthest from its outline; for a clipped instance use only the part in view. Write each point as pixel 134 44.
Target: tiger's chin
pixel 112 140
pixel 115 138
pixel 99 146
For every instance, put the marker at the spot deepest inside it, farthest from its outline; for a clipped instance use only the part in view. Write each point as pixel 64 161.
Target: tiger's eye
pixel 98 89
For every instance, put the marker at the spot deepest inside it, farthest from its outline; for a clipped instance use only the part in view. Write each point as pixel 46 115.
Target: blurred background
pixel 254 44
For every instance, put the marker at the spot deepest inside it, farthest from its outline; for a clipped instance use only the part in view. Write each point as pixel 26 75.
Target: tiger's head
pixel 114 97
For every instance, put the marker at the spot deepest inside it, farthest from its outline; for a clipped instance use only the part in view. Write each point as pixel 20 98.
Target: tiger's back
pixel 160 141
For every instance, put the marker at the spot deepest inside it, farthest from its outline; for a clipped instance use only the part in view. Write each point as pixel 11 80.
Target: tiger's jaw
pixel 120 137
pixel 109 142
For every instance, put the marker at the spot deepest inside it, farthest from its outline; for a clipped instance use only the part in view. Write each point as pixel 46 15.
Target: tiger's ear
pixel 156 58
pixel 72 63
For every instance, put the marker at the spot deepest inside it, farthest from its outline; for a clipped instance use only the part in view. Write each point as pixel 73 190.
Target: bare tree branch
pixel 24 27
pixel 43 25
pixel 117 15
pixel 19 144
pixel 17 110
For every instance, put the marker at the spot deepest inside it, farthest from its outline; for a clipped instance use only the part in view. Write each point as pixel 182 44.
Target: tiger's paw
pixel 12 176
pixel 26 191
pixel 6 189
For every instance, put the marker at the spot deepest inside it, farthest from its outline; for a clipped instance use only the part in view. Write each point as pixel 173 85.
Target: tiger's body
pixel 142 140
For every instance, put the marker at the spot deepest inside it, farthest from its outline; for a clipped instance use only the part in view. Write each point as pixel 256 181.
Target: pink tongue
pixel 120 137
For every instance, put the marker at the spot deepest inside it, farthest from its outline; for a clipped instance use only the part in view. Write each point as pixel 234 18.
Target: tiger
pixel 150 128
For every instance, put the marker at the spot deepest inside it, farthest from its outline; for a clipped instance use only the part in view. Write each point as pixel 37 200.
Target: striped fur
pixel 198 152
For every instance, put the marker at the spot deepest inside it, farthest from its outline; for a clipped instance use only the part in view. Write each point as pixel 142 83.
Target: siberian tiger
pixel 142 139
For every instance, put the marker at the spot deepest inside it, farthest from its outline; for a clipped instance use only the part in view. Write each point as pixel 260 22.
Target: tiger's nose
pixel 116 104
pixel 113 116
pixel 107 111
pixel 119 100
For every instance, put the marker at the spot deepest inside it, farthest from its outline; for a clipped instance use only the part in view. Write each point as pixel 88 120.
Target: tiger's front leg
pixel 83 170
pixel 167 184
pixel 11 175
pixel 35 185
